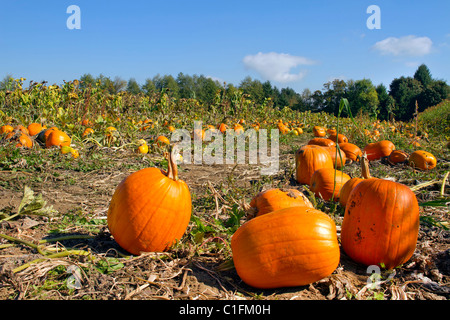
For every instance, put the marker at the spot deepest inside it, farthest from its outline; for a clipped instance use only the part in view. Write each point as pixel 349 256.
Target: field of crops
pixel 54 197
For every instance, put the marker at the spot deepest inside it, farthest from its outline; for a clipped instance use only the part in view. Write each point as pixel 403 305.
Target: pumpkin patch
pixel 137 213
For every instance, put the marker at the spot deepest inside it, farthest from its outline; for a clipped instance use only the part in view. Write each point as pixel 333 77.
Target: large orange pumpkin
pixel 327 182
pixel 377 150
pixel 381 223
pixel 275 199
pixel 150 209
pixel 308 159
pixel 289 247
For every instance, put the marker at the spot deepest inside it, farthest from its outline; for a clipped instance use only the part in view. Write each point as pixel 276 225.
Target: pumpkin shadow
pixel 100 243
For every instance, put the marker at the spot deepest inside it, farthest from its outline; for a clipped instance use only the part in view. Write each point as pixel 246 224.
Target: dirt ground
pixel 190 272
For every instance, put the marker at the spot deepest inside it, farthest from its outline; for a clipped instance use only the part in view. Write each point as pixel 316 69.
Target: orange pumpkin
pixel 150 210
pixel 397 156
pixel 223 127
pixel 275 199
pixel 377 150
pixel 327 182
pixel 353 182
pixel 422 160
pixel 47 132
pixel 352 151
pixel 319 131
pixel 338 138
pixel 87 132
pixel 22 129
pixel 308 159
pixel 337 156
pixel 162 140
pixel 289 247
pixel 57 138
pixel 6 129
pixel 24 141
pixel 324 142
pixel 347 189
pixel 238 128
pixel 381 223
pixel 34 128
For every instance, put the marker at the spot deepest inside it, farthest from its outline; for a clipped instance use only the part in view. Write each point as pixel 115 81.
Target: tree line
pixel 398 102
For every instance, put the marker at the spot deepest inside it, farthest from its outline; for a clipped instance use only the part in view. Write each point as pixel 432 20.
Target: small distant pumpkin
pixel 57 138
pixel 398 156
pixel 87 132
pixel 338 138
pixel 162 140
pixel 319 131
pixel 6 129
pixel 24 141
pixel 324 142
pixel 34 128
pixel 377 150
pixel 275 199
pixel 352 151
pixel 422 160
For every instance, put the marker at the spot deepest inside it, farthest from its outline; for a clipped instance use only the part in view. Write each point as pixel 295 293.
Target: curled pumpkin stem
pixel 172 170
pixel 365 172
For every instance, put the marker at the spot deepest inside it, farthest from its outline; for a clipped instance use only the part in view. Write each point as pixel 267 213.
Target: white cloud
pixel 277 66
pixel 404 46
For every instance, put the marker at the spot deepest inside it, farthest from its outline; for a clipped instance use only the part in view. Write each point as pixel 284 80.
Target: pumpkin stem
pixel 365 172
pixel 172 170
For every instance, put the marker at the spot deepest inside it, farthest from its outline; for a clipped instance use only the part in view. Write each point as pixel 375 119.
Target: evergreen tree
pixel 423 75
pixel 133 87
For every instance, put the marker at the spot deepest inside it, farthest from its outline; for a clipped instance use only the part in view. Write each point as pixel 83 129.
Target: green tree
pixel 433 94
pixel 186 86
pixel 166 83
pixel 405 91
pixel 386 103
pixel 363 97
pixel 253 88
pixel 333 92
pixel 423 75
pixel 148 87
pixel 133 87
pixel 86 80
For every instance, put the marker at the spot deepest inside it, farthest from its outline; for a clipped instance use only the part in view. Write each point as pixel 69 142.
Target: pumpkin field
pixel 357 210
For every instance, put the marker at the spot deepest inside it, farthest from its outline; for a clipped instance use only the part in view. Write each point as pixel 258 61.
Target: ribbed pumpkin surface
pixel 149 211
pixel 381 223
pixel 288 247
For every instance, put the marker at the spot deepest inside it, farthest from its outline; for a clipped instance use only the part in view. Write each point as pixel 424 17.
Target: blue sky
pixel 296 44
